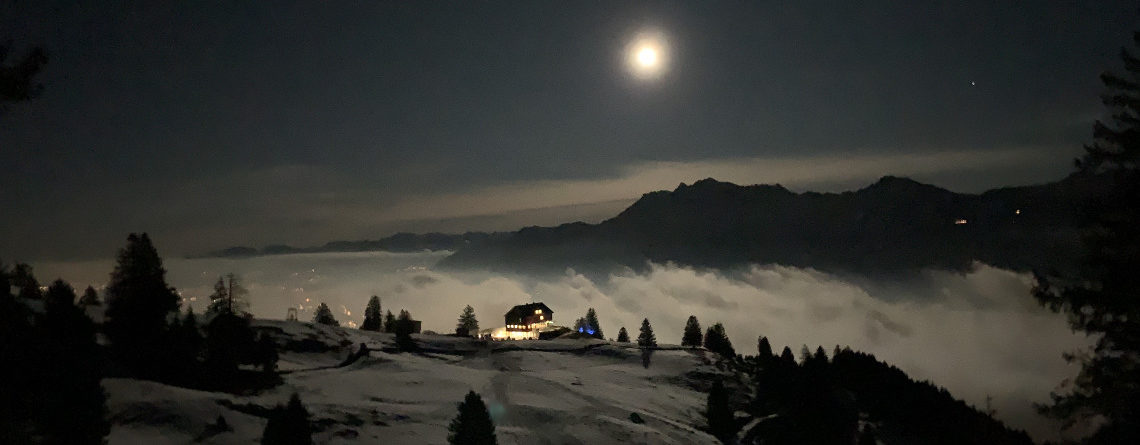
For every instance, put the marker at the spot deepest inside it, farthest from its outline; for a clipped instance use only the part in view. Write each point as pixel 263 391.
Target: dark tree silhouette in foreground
pixel 23 278
pixel 373 316
pixel 592 323
pixel 288 425
pixel 17 382
pixel 50 382
pixel 324 315
pixel 623 336
pixel 228 297
pixel 716 340
pixel 69 373
pixel 138 304
pixel 646 339
pixel 473 425
pixel 718 413
pixel 16 79
pixel 1103 299
pixel 90 297
pixel 403 331
pixel 692 336
pixel 389 322
pixel 763 348
pixel 467 326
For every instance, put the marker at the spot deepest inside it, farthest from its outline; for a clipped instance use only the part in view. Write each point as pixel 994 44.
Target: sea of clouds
pixel 978 334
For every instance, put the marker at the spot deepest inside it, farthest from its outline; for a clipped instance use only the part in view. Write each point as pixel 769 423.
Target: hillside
pixel 562 391
pixel 571 391
pixel 894 225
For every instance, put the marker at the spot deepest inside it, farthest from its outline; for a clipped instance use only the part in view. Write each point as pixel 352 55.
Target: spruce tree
pixel 467 326
pixel 787 357
pixel 228 297
pixel 229 343
pixel 23 278
pixel 692 336
pixel 1103 298
pixel 18 347
pixel 403 331
pixel 373 316
pixel 764 349
pixel 138 304
pixel 473 425
pixel 69 374
pixel 389 322
pixel 716 340
pixel 288 425
pixel 580 325
pixel 592 322
pixel 324 315
pixel 646 339
pixel 719 414
pixel 623 336
pixel 90 297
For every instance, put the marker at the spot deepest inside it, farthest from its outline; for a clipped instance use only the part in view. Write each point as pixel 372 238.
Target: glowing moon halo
pixel 648 56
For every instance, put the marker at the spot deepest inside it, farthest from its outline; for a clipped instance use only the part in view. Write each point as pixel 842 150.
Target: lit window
pixel 541 317
pixel 538 311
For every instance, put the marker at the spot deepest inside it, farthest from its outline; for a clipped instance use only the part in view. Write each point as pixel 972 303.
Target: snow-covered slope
pixel 538 392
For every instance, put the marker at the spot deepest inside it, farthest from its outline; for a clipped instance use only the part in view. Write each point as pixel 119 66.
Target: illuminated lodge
pixel 523 322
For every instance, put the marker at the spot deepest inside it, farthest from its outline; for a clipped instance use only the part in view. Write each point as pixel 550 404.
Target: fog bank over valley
pixel 977 334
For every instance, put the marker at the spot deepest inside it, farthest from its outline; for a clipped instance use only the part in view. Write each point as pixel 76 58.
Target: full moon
pixel 648 56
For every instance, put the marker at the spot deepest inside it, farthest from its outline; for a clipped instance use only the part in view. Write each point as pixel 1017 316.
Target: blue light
pixel 590 331
pixel 579 330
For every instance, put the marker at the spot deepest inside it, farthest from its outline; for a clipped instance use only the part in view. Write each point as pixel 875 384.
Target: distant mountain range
pixel 895 225
pixel 400 242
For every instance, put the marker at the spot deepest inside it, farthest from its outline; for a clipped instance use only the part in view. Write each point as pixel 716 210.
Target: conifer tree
pixel 288 425
pixel 764 349
pixel 592 322
pixel 90 297
pixel 1103 298
pixel 403 331
pixel 787 357
pixel 692 336
pixel 324 315
pixel 716 340
pixel 23 278
pixel 229 343
pixel 229 296
pixel 820 357
pixel 373 316
pixel 18 344
pixel 580 325
pixel 719 414
pixel 187 344
pixel 266 353
pixel 623 336
pixel 467 325
pixel 17 79
pixel 389 322
pixel 138 304
pixel 646 339
pixel 70 374
pixel 473 425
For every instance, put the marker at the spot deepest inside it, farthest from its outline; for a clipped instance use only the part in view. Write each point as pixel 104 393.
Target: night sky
pixel 214 124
